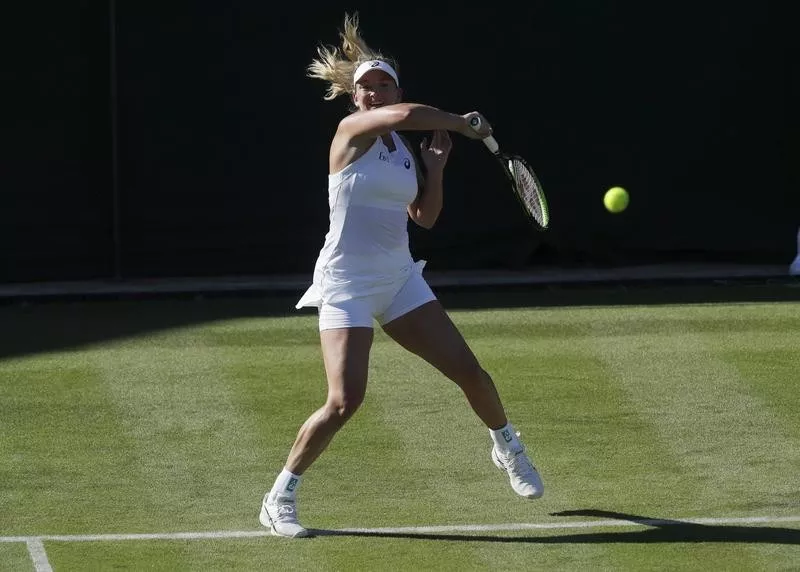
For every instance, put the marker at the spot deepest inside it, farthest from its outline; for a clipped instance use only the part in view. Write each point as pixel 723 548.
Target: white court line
pixel 38 555
pixel 403 530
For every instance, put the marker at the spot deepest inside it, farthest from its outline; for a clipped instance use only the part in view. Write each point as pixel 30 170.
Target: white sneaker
pixel 280 516
pixel 524 477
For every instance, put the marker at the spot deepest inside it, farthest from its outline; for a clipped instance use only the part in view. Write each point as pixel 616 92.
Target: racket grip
pixel 489 141
pixel 491 144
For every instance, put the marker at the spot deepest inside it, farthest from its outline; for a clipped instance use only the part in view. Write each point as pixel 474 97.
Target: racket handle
pixel 489 141
pixel 491 144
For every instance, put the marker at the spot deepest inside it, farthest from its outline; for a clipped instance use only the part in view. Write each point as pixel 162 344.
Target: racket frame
pixel 505 160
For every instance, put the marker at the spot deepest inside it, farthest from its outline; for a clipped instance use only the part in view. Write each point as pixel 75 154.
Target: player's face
pixel 374 89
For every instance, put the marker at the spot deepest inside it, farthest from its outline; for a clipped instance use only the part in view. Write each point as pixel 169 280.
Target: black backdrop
pixel 182 138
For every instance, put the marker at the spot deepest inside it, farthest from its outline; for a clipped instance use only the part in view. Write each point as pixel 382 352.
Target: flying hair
pixel 336 65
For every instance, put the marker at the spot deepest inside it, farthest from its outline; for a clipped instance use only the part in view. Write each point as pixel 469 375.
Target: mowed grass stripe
pixel 442 449
pixel 770 363
pixel 274 378
pixel 173 409
pixel 71 467
pixel 725 442
pixel 579 420
pixel 593 449
pixel 280 382
pixel 772 378
pixel 447 443
pixel 277 380
pixel 705 412
pixel 65 454
pixel 589 439
pixel 175 404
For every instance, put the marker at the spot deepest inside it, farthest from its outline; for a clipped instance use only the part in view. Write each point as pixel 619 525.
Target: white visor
pixel 375 65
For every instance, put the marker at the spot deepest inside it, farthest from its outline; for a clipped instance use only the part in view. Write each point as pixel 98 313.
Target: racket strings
pixel 528 189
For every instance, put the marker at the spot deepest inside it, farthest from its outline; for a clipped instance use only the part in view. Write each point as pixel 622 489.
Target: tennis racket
pixel 523 180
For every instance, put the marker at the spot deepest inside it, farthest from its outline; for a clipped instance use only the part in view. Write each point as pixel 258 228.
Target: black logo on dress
pixel 407 163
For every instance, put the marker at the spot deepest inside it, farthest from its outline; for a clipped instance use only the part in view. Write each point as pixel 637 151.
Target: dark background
pixel 182 138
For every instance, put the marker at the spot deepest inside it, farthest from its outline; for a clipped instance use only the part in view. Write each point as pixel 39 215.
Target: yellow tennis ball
pixel 616 199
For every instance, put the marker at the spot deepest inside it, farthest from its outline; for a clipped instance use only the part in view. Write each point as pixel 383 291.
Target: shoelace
pixel 285 509
pixel 519 464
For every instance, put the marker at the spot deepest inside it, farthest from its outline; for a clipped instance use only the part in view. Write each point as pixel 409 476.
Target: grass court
pixel 142 435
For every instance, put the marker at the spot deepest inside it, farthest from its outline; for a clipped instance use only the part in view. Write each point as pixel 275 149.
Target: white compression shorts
pixel 384 307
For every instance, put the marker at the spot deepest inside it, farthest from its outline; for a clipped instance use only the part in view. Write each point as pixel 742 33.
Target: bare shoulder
pixel 346 148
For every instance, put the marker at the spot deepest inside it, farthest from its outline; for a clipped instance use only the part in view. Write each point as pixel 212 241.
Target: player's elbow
pixel 398 116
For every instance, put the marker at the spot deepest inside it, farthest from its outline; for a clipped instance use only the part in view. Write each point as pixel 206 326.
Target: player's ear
pixel 399 94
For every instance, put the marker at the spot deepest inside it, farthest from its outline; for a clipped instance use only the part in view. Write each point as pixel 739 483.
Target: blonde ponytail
pixel 336 65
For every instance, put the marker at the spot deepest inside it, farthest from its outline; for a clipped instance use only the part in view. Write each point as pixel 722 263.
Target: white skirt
pixel 336 285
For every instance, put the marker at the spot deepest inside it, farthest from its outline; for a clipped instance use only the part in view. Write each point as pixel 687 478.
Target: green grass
pixel 176 416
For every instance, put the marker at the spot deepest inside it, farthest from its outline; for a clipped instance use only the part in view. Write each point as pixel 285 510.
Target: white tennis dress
pixel 366 250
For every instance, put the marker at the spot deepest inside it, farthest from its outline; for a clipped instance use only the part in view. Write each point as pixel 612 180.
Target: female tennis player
pixel 365 272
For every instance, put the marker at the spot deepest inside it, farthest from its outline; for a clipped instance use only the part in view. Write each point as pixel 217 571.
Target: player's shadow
pixel 660 530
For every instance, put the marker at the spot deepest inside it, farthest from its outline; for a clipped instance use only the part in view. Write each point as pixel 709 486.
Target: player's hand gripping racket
pixel 523 180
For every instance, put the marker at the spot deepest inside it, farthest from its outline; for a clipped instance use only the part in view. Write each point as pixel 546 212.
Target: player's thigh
pixel 346 336
pixel 428 332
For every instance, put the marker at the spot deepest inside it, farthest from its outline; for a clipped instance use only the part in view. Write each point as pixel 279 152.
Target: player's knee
pixel 343 407
pixel 471 373
pixel 483 376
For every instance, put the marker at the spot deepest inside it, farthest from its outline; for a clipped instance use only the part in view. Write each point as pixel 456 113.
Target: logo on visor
pixel 407 163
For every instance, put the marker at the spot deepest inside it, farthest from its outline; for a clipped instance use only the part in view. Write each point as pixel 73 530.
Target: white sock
pixel 505 439
pixel 286 485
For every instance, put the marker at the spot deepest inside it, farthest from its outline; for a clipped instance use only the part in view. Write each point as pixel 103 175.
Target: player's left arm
pixel 425 209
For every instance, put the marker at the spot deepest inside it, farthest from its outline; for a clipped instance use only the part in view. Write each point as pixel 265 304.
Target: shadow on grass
pixel 54 324
pixel 661 530
pixel 65 324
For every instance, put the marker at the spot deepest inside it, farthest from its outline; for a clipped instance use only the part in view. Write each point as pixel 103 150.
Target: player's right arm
pixel 403 117
pixel 358 131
